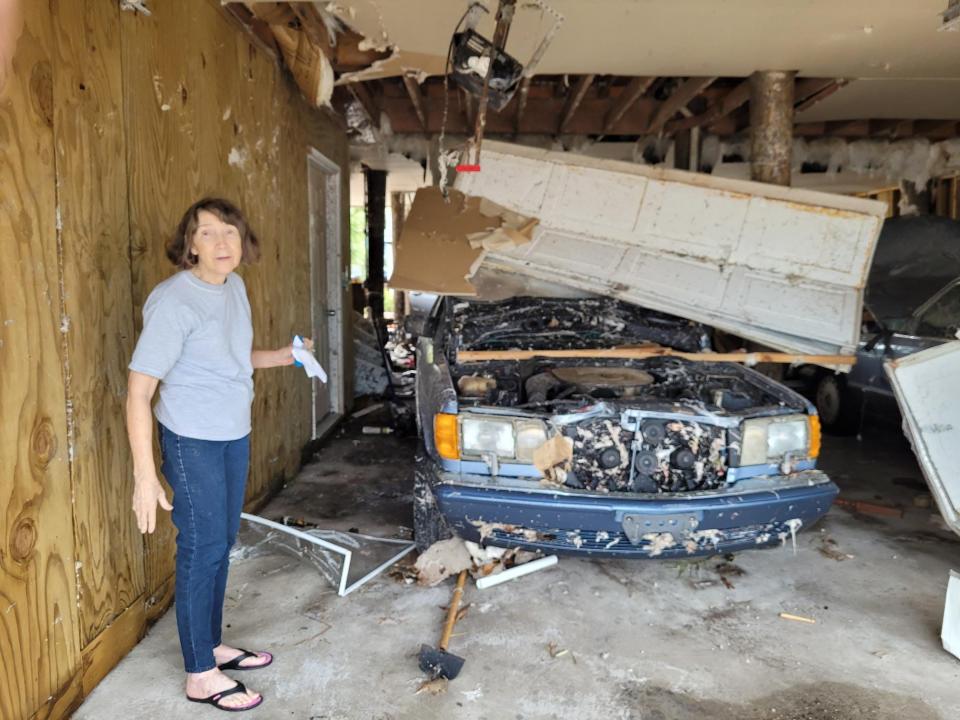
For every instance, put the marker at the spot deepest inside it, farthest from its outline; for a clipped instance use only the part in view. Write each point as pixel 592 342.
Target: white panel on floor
pixel 927 387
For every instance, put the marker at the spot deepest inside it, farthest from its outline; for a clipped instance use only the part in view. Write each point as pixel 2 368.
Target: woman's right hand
pixel 147 494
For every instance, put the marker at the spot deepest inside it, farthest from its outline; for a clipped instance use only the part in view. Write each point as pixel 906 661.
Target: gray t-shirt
pixel 197 339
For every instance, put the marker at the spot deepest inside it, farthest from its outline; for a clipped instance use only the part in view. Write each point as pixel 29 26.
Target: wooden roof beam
pixel 631 93
pixel 416 97
pixel 573 101
pixel 680 98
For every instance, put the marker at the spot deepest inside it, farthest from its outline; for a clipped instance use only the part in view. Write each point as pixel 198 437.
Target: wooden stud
pixel 631 93
pixel 679 99
pixel 573 101
pixel 469 110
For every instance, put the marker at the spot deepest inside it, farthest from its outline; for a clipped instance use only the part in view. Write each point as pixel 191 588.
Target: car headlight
pixel 768 440
pixel 507 438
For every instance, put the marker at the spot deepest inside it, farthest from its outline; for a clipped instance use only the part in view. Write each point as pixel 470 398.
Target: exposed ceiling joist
pixel 824 92
pixel 631 93
pixel 734 99
pixel 573 101
pixel 680 98
pixel 416 98
pixel 522 95
pixel 363 95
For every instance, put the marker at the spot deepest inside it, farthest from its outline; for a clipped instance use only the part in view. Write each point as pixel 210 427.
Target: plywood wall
pixel 112 125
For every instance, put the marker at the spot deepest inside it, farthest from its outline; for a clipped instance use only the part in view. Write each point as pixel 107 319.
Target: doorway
pixel 326 289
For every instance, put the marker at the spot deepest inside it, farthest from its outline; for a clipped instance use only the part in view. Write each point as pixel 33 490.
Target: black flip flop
pixel 244 655
pixel 217 697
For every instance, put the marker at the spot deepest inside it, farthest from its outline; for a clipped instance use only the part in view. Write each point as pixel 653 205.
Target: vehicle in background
pixel 912 303
pixel 654 457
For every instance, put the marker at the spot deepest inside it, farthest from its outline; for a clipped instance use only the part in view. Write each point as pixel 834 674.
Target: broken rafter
pixel 649 351
pixel 416 97
pixel 316 30
pixel 734 99
pixel 631 93
pixel 680 98
pixel 805 88
pixel 574 100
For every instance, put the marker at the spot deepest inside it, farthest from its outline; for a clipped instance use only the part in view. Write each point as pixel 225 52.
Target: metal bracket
pixel 636 526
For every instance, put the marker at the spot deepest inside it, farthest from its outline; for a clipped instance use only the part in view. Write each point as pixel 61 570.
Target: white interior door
pixel 326 290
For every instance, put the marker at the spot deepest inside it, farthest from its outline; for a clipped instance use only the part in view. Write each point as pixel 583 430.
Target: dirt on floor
pixel 644 640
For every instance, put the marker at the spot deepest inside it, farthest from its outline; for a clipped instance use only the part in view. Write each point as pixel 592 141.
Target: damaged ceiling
pixel 381 54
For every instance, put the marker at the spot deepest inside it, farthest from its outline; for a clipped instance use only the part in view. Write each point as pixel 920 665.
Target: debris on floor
pixel 798 618
pixel 437 686
pixel 869 508
pixel 828 548
pixel 516 572
pixel 441 560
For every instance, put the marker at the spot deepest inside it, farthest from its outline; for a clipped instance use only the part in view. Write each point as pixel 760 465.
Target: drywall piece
pixel 950 633
pixel 325 548
pixel 927 388
pixel 444 239
pixel 780 266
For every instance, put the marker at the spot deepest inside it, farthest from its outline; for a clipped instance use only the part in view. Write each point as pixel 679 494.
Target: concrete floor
pixel 649 639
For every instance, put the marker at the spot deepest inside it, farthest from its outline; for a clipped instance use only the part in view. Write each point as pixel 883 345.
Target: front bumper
pixel 760 513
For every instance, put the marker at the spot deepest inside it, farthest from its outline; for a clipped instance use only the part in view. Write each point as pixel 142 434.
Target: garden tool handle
pixel 453 610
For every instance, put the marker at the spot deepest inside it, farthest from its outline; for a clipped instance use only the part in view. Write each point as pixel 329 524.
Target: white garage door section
pixel 927 386
pixel 781 266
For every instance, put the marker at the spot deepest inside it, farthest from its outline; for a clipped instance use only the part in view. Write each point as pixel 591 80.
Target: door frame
pixel 331 243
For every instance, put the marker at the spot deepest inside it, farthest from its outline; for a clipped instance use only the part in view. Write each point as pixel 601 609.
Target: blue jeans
pixel 208 478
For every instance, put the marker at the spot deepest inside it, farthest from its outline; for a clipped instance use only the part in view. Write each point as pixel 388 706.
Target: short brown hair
pixel 178 249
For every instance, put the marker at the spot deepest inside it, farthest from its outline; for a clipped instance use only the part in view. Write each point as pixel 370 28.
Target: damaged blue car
pixel 535 436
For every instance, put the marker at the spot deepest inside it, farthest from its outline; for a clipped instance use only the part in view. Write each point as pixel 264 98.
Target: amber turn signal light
pixel 814 422
pixel 446 437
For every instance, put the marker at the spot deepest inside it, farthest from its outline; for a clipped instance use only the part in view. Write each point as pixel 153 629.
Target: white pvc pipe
pixel 516 571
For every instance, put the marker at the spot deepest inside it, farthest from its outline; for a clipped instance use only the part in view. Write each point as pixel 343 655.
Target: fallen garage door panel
pixel 927 386
pixel 780 266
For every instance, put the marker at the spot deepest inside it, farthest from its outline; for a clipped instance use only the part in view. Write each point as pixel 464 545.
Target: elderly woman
pixel 197 345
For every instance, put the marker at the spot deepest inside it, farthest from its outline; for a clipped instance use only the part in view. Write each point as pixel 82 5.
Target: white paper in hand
pixel 303 356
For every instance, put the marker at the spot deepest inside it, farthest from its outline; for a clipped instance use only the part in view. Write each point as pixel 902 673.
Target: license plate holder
pixel 635 526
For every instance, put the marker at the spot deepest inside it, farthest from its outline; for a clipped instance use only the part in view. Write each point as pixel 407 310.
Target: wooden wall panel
pixel 209 113
pixel 98 329
pixel 39 636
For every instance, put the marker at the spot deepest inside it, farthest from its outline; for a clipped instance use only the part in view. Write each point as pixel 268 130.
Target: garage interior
pixel 332 125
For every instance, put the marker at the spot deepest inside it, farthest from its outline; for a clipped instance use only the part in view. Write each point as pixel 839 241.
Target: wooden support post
pixel 416 98
pixel 631 93
pixel 771 126
pixel 376 218
pixel 573 101
pixel 681 150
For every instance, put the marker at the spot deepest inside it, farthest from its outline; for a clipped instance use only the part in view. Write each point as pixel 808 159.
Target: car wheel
pixel 429 525
pixel 838 409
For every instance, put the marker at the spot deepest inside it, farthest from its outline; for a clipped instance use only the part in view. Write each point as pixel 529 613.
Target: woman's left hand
pixel 279 357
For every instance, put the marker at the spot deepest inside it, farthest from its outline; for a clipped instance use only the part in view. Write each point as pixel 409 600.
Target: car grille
pixel 672 456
